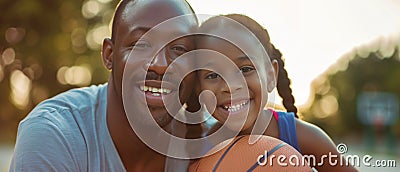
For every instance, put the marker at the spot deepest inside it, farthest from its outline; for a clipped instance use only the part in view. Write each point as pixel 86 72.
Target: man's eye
pixel 246 69
pixel 212 76
pixel 141 44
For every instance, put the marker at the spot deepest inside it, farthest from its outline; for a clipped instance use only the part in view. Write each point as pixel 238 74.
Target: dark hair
pixel 283 81
pixel 120 7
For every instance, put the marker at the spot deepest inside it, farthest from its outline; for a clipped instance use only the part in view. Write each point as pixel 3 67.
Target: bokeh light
pixel 95 36
pixel 8 56
pixel 61 75
pixel 90 9
pixel 29 73
pixel 328 105
pixel 37 70
pixel 14 35
pixel 75 75
pixel 20 89
pixel 321 86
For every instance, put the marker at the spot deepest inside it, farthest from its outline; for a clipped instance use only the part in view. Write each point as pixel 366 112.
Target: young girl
pixel 237 100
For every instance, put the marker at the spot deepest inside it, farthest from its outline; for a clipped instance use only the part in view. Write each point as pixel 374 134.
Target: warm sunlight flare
pixel 20 89
pixel 75 75
pixel 313 34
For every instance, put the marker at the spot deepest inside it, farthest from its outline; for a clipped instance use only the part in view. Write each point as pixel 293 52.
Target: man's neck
pixel 134 154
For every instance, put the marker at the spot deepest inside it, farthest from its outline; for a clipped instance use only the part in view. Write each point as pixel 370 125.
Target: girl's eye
pixel 180 49
pixel 212 75
pixel 246 69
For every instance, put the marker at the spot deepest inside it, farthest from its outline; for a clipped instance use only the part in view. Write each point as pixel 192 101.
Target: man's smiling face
pixel 143 52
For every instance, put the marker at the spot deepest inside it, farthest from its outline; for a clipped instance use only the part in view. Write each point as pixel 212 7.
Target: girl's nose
pixel 233 86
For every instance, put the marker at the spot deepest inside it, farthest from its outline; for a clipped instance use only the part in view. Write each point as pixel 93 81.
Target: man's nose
pixel 159 64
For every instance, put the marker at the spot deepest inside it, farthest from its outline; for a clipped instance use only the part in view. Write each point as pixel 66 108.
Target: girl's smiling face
pixel 238 80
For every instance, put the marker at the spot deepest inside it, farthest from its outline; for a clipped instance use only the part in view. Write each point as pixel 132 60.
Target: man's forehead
pixel 149 13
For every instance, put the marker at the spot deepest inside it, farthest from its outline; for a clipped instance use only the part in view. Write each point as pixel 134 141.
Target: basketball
pixel 267 154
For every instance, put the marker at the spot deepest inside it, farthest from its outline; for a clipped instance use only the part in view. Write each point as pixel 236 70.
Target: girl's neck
pixel 260 126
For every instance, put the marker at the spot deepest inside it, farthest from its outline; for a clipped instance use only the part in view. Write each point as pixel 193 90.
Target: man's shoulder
pixel 70 104
pixel 78 97
pixel 67 132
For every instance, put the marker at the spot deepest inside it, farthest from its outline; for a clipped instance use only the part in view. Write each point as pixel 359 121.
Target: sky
pixel 313 34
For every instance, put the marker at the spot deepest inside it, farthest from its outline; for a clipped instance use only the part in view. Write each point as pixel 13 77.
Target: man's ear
pixel 273 75
pixel 107 53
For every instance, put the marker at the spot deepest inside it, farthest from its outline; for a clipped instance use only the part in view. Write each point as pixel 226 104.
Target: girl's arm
pixel 316 144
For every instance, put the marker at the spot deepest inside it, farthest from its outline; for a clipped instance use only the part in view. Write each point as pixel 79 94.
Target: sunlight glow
pixel 95 37
pixel 329 106
pixel 20 89
pixel 311 34
pixel 8 56
pixel 61 75
pixel 90 9
pixel 75 75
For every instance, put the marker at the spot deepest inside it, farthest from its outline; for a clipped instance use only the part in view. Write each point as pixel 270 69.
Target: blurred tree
pixel 47 47
pixel 334 94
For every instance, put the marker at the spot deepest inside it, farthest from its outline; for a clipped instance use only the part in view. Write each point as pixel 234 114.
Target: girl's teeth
pixel 235 107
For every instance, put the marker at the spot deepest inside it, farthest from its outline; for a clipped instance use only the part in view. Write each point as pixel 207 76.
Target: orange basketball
pixel 239 155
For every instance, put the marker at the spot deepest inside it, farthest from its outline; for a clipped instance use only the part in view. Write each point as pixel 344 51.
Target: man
pixel 87 129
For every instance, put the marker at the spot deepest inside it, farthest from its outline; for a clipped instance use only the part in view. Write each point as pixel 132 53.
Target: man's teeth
pixel 234 108
pixel 155 91
pixel 156 94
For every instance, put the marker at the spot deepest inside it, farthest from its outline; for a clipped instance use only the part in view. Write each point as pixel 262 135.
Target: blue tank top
pixel 287 128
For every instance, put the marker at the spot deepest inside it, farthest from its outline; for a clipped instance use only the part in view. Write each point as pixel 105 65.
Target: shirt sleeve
pixel 43 145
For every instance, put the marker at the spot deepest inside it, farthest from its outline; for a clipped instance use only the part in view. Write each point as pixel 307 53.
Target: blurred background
pixel 343 58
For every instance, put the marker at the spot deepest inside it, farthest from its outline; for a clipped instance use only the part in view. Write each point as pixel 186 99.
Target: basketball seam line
pixel 226 151
pixel 268 154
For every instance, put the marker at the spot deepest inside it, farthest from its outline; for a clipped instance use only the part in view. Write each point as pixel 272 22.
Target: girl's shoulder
pixel 312 137
pixel 314 141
